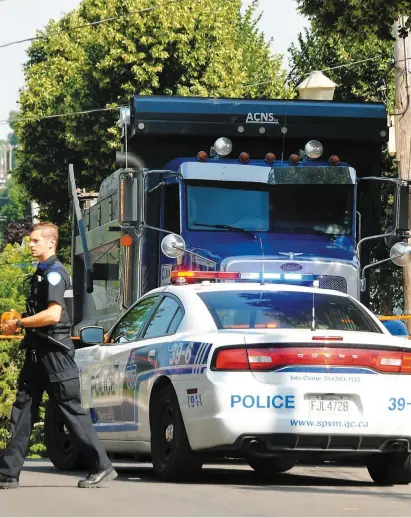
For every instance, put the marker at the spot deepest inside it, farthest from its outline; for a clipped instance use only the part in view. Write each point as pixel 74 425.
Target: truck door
pixel 170 220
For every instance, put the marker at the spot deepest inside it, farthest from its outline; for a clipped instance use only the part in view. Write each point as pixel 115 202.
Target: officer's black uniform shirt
pixel 48 284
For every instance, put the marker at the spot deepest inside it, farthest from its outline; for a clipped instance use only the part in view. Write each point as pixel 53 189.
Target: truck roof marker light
pixel 314 149
pixel 126 240
pixel 269 158
pixel 244 157
pixel 202 156
pixel 223 146
pixel 294 159
pixel 334 160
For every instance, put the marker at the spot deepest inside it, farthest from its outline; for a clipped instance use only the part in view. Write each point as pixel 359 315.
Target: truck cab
pixel 269 190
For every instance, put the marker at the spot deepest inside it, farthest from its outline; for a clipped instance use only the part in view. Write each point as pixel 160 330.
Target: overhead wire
pixel 90 24
pixel 352 63
pixel 66 114
pixel 97 110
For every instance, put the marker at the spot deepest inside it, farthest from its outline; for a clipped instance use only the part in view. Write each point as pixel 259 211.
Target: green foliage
pixel 374 80
pixel 362 18
pixel 15 267
pixel 386 280
pixel 18 203
pixel 189 47
pixel 371 80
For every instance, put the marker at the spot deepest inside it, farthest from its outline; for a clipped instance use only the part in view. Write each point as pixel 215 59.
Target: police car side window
pixel 129 327
pixel 165 318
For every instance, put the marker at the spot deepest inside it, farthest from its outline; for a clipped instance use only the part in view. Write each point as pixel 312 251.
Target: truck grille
pixel 333 282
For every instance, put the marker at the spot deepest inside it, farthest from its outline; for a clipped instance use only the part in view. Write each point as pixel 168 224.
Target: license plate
pixel 330 404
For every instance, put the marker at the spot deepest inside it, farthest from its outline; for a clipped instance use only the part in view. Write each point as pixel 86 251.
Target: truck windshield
pixel 234 309
pixel 290 208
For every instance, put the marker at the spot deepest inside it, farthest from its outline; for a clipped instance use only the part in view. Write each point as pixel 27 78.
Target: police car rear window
pixel 285 310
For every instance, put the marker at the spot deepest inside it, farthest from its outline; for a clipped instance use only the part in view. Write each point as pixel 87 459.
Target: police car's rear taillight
pixel 231 359
pixel 272 358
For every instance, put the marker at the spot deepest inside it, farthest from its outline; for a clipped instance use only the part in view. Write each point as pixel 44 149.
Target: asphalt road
pixel 230 490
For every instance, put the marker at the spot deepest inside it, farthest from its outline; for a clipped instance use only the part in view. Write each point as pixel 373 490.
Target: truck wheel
pixel 172 457
pixel 61 448
pixel 270 466
pixel 390 469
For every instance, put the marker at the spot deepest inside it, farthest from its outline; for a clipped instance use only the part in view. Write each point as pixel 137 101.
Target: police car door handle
pixel 116 363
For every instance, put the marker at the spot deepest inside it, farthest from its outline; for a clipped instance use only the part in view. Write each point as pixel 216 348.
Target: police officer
pixel 49 367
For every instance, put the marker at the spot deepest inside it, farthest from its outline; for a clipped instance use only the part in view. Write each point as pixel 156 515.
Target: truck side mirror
pixel 401 207
pixel 400 254
pixel 128 199
pixel 391 240
pixel 173 246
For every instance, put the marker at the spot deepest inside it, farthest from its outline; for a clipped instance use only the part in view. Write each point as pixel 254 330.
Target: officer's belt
pixel 49 339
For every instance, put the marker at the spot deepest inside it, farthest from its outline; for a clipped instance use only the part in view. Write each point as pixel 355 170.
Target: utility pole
pixel 403 128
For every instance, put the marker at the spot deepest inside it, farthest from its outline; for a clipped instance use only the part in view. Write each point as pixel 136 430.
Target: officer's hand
pixel 9 327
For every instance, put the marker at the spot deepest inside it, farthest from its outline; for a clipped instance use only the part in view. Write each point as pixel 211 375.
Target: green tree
pixel 189 47
pixel 17 206
pixel 363 18
pixel 15 211
pixel 15 267
pixel 365 80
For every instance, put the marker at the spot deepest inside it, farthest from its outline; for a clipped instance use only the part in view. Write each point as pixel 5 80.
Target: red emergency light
pixel 190 275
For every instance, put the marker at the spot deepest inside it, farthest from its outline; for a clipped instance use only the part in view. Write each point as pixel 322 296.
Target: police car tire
pixel 63 458
pixel 390 469
pixel 270 466
pixel 181 463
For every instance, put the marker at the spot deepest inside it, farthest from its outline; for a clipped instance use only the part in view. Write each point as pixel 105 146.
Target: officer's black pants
pixel 42 374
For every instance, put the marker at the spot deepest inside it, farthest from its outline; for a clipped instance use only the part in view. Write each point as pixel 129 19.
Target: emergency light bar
pixel 198 275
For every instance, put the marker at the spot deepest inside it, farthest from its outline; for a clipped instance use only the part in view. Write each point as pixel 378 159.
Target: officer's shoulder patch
pixel 54 278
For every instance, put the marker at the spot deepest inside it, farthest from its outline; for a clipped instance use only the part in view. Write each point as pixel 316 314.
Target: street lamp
pixel 317 87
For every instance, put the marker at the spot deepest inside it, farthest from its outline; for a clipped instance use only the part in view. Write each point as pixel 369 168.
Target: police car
pixel 273 374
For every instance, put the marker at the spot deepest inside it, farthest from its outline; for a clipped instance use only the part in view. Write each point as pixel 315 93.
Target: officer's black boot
pixel 8 482
pixel 98 479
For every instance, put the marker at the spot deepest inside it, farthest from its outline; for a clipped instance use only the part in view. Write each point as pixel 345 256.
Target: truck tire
pixel 172 457
pixel 270 466
pixel 390 469
pixel 61 448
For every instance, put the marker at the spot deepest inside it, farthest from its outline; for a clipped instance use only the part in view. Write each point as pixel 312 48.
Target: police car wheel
pixel 172 457
pixel 270 466
pixel 390 469
pixel 61 449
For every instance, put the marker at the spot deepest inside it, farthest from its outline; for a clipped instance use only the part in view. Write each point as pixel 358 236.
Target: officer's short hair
pixel 48 229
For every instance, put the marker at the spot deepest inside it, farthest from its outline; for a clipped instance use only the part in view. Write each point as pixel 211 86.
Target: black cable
pixel 91 24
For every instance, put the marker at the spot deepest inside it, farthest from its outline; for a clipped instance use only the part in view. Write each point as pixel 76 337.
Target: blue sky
pixel 19 19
